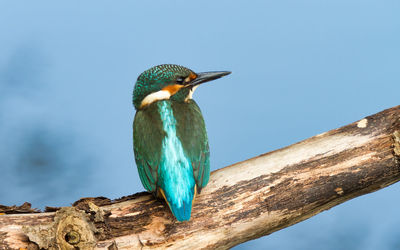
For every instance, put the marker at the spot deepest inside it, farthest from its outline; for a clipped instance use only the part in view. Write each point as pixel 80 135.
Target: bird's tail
pixel 183 212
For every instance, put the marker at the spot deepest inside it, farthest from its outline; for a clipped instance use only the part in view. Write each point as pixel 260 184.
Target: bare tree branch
pixel 242 202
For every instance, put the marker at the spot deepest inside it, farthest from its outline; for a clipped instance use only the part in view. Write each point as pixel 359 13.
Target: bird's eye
pixel 180 80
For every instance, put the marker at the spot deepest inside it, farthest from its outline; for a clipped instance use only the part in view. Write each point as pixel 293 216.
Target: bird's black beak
pixel 207 76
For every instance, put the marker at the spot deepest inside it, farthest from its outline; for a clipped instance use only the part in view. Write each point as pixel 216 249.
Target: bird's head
pixel 169 81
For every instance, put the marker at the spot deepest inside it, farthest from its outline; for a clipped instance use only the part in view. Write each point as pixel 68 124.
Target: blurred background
pixel 300 68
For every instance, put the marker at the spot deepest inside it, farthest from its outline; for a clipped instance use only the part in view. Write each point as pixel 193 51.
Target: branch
pixel 241 202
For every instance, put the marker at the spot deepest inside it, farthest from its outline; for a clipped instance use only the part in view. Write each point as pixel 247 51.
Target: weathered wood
pixel 24 208
pixel 242 202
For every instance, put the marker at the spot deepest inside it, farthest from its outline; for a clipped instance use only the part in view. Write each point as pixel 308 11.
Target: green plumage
pixel 147 138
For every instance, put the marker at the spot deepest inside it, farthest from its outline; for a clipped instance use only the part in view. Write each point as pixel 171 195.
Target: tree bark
pixel 241 202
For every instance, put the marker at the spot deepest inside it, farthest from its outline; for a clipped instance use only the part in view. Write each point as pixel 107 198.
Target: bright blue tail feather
pixel 183 212
pixel 181 207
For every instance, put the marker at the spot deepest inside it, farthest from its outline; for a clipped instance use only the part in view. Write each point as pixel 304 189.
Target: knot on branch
pixel 71 229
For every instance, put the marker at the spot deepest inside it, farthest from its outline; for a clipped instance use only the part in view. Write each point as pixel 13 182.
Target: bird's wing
pixel 147 142
pixel 192 133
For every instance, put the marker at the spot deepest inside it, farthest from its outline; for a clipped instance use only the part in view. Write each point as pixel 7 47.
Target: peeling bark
pixel 242 202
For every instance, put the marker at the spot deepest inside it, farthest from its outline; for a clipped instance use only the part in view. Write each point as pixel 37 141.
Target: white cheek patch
pixel 190 95
pixel 159 95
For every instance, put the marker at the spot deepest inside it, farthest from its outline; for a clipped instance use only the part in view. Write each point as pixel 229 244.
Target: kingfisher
pixel 170 140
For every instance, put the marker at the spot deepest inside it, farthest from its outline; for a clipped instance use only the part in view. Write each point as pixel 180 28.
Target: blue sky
pixel 300 68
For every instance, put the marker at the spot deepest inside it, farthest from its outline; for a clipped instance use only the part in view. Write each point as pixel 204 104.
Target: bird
pixel 170 141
